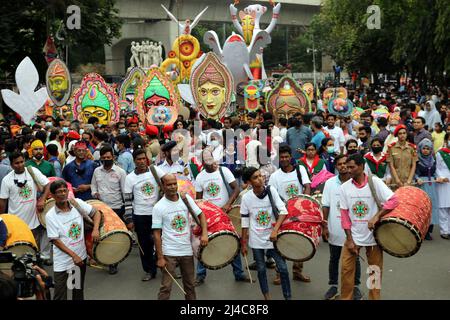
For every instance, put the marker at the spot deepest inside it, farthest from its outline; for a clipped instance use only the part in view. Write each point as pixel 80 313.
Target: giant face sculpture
pixel 129 88
pixel 211 86
pixel 58 82
pixel 157 102
pixel 95 98
pixel 331 93
pixel 287 98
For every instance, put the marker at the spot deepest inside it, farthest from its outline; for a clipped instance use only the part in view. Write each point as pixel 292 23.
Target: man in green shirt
pixel 37 150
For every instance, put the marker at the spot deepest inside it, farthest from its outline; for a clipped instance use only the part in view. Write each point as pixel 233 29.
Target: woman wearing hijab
pixel 430 114
pixel 376 161
pixel 426 171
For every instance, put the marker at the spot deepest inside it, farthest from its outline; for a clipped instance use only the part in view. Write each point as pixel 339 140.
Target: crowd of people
pixel 401 138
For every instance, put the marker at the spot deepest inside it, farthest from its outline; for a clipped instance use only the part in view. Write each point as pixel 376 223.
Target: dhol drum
pixel 300 233
pixel 50 202
pixel 20 239
pixel 185 186
pixel 223 242
pixel 235 212
pixel 401 232
pixel 115 239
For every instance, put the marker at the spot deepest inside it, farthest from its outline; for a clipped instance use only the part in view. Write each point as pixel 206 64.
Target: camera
pixel 23 272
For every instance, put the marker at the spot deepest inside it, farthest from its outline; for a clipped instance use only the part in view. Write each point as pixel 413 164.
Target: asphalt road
pixel 426 275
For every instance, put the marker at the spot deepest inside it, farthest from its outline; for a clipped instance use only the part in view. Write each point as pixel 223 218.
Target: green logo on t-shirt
pixel 292 190
pixel 179 223
pixel 213 189
pixel 147 189
pixel 74 231
pixel 263 218
pixel 360 209
pixel 25 192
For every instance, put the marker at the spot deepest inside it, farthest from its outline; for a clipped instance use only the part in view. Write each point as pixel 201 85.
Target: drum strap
pixel 299 176
pixel 227 186
pixel 188 205
pixel 88 223
pixel 158 180
pixel 373 191
pixel 40 188
pixel 272 203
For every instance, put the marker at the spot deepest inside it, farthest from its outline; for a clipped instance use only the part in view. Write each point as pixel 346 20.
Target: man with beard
pixel 37 150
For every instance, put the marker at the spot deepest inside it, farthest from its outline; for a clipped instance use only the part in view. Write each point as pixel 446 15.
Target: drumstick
pixel 248 269
pixel 165 268
pixel 137 241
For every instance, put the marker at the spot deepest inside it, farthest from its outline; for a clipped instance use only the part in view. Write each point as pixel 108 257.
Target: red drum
pixel 300 233
pixel 223 242
pixel 401 232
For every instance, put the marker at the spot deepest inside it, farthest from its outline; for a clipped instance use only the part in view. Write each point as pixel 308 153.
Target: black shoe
pixel 428 237
pixel 357 294
pixel 199 282
pixel 113 269
pixel 253 266
pixel 270 263
pixel 332 293
pixel 445 236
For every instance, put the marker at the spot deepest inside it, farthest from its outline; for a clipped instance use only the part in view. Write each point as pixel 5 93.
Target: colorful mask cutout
pixel 157 101
pixel 128 89
pixel 212 85
pixel 59 83
pixel 95 98
pixel 287 98
pixel 252 96
pixel 331 93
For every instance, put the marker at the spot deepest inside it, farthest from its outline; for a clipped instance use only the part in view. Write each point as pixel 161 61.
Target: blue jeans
pixel 258 255
pixel 236 264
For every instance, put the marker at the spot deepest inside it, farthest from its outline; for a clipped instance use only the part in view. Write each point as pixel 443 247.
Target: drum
pixel 318 197
pixel 115 239
pixel 20 239
pixel 185 185
pixel 235 212
pixel 223 242
pixel 300 233
pixel 401 232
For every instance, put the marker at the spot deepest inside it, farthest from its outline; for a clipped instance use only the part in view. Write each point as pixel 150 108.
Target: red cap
pixel 80 145
pixel 73 135
pixel 168 128
pixel 398 128
pixel 151 130
pixel 133 120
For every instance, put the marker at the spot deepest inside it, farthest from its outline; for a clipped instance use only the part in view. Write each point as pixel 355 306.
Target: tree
pixel 26 25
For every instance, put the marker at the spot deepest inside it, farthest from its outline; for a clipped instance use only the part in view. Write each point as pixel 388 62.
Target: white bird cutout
pixel 187 27
pixel 28 101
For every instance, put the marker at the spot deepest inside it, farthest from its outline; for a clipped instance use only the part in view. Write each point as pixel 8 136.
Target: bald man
pixel 171 219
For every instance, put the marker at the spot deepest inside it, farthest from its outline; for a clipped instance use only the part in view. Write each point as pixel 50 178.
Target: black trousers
pixel 61 286
pixel 143 228
pixel 333 267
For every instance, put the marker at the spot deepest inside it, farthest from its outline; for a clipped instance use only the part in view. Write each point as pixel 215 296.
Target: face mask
pixel 49 124
pixel 214 143
pixel 123 131
pixel 81 131
pixel 352 151
pixel 392 129
pixel 107 163
pixel 377 149
pixel 141 128
pixel 65 129
pixel 330 149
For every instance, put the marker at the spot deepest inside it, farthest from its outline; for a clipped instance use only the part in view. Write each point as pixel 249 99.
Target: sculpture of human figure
pixel 160 53
pixel 141 53
pixel 151 49
pixel 147 55
pixel 134 60
pixel 155 56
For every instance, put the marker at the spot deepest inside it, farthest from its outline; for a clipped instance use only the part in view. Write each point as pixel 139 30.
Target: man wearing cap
pixel 133 127
pixel 79 172
pixel 96 104
pixel 45 167
pixel 170 165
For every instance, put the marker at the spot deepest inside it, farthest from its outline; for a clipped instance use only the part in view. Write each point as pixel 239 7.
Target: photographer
pixel 65 229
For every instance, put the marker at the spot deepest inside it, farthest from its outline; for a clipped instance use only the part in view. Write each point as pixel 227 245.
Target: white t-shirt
pixel 173 218
pixel 362 207
pixel 145 191
pixel 257 216
pixel 287 184
pixel 69 228
pixel 213 187
pixel 330 199
pixel 339 138
pixel 22 201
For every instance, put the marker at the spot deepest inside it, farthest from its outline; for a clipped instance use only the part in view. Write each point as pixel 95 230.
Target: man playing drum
pixel 172 234
pixel 332 230
pixel 20 188
pixel 65 229
pixel 210 186
pixel 260 225
pixel 359 214
pixel 290 181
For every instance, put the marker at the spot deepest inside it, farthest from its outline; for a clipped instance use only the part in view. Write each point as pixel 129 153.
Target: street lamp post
pixel 314 64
